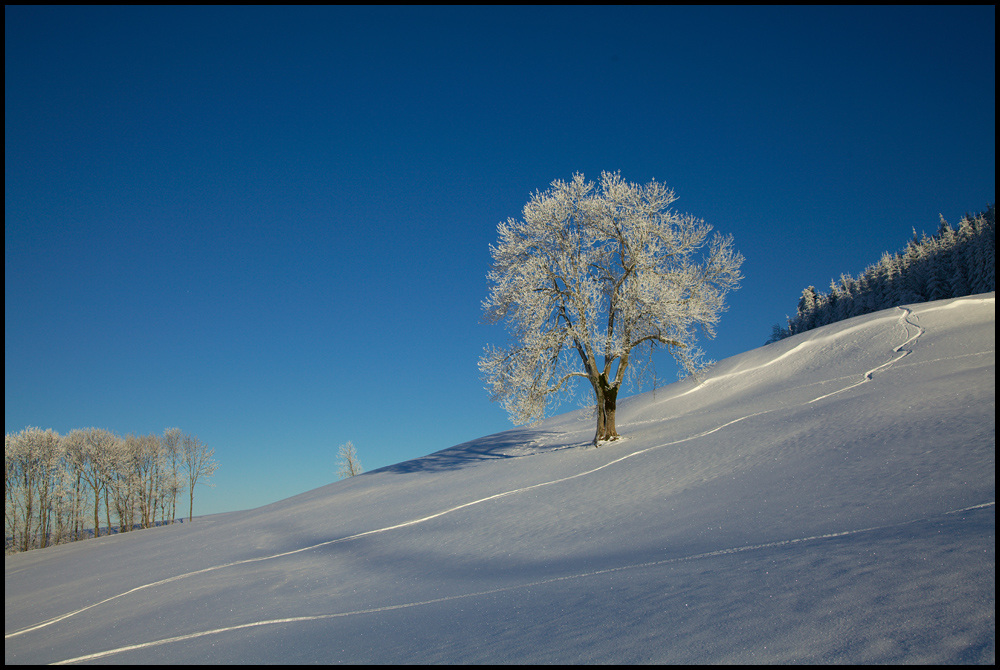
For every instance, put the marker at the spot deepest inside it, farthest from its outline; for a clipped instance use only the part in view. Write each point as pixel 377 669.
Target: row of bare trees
pixel 60 488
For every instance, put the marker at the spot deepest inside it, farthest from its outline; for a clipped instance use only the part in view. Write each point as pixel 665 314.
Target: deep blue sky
pixel 270 227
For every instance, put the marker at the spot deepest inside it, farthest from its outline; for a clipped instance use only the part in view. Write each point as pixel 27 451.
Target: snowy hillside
pixel 827 498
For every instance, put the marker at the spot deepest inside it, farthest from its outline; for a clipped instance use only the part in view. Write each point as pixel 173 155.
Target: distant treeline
pixel 950 264
pixel 56 487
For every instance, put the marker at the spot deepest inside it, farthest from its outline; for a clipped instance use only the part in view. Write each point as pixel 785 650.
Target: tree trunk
pixel 97 512
pixel 607 397
pixel 610 404
pixel 107 508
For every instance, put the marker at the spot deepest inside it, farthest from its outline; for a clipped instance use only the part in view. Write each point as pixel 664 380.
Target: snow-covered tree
pixel 948 265
pixel 348 464
pixel 33 460
pixel 173 484
pixel 148 459
pixel 197 460
pixel 49 481
pixel 591 275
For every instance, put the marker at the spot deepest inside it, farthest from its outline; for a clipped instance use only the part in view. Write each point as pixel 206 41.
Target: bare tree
pixel 33 479
pixel 591 275
pixel 148 461
pixel 98 448
pixel 11 479
pixel 173 484
pixel 196 458
pixel 19 489
pixel 123 483
pixel 48 448
pixel 47 479
pixel 348 463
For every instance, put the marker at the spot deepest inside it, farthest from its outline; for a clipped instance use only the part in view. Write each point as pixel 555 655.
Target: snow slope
pixel 827 498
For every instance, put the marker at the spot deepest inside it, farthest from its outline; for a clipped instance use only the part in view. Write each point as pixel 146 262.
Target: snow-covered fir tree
pixel 949 264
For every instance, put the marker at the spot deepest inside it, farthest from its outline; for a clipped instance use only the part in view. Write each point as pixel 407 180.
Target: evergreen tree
pixel 949 264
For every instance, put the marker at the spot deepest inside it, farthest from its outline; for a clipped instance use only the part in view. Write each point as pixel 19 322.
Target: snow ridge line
pixel 904 319
pixel 541 582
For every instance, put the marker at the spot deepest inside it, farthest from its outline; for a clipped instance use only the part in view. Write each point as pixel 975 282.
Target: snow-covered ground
pixel 828 498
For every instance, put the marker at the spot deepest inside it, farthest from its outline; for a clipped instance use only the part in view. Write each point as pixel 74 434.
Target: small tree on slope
pixel 591 274
pixel 198 464
pixel 348 463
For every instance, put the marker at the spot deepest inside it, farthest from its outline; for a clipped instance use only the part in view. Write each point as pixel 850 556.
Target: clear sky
pixel 270 227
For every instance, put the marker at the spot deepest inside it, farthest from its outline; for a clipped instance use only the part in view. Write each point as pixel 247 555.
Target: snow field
pixel 829 497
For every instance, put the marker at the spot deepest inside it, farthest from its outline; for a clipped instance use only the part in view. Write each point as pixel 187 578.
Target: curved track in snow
pixel 904 319
pixel 366 533
pixel 899 352
pixel 592 573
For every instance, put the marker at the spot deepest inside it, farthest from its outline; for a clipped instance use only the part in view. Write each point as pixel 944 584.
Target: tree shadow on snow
pixel 506 445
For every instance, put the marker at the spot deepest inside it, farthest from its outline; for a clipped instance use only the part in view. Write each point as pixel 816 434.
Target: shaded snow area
pixel 827 498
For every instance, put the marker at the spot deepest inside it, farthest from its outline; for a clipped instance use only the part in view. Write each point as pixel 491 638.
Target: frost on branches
pixel 591 275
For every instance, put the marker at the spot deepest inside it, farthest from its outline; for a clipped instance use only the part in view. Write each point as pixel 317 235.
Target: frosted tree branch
pixel 596 270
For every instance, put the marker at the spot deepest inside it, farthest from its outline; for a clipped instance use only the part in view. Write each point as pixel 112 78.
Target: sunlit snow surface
pixel 828 498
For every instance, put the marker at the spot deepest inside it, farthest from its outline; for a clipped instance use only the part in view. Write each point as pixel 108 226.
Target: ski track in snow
pixel 593 573
pixel 366 533
pixel 904 320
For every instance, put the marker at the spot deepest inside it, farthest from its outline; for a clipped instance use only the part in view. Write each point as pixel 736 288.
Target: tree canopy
pixel 591 275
